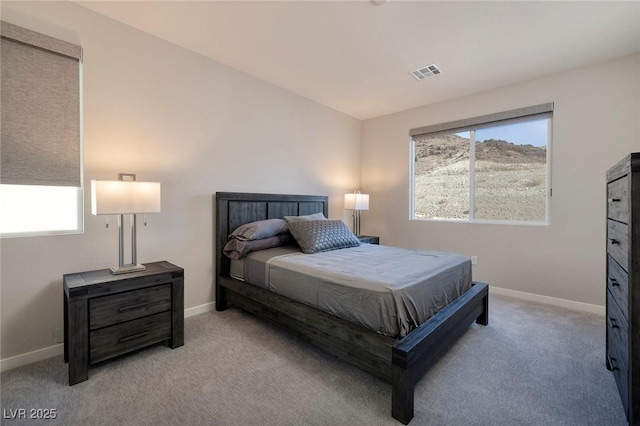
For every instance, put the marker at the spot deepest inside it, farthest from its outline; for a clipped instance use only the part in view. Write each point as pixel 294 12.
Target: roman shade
pixel 490 120
pixel 40 127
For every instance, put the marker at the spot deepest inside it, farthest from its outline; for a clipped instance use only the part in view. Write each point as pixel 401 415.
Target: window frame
pixel 471 125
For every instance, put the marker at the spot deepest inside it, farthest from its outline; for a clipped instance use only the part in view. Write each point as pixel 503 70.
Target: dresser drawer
pixel 618 243
pixel 618 200
pixel 122 338
pixel 618 285
pixel 618 331
pixel 121 307
pixel 621 375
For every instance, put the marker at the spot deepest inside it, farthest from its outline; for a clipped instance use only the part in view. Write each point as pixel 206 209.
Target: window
pixel 494 168
pixel 34 209
pixel 40 158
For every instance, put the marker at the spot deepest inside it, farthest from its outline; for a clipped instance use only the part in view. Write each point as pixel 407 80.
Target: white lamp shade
pixel 123 197
pixel 356 201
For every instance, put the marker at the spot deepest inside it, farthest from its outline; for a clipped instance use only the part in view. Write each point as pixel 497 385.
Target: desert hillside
pixel 510 179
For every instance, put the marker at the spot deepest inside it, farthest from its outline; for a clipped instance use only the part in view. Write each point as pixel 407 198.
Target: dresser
pixel 109 315
pixel 623 281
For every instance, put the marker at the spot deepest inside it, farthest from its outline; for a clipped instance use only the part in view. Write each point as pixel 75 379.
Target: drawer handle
pixel 132 337
pixel 614 282
pixel 614 322
pixel 132 307
pixel 612 362
pixel 615 200
pixel 614 241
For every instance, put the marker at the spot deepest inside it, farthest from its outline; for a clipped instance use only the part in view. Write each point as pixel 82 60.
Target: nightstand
pixel 109 315
pixel 369 239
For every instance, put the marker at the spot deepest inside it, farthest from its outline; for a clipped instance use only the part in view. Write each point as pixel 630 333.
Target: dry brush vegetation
pixel 510 179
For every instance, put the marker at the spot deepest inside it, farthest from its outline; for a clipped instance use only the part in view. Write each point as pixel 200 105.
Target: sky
pixel 525 132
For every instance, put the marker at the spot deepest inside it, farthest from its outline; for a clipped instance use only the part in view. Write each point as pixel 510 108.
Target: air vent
pixel 426 71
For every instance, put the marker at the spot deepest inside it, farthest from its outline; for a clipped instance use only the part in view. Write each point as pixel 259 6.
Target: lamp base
pixel 126 269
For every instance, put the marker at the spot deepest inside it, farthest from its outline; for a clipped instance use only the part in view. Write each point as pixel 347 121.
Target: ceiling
pixel 355 57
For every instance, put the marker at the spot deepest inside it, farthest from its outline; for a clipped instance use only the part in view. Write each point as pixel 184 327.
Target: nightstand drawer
pixel 618 243
pixel 121 307
pixel 618 285
pixel 618 200
pixel 618 331
pixel 122 338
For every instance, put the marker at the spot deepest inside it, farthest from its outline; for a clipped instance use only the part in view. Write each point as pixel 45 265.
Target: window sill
pixel 481 222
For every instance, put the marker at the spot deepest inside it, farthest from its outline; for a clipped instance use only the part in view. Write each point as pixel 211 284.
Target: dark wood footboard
pixel 350 342
pixel 399 362
pixel 414 355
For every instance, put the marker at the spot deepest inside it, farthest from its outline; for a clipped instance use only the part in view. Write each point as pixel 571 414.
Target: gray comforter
pixel 387 289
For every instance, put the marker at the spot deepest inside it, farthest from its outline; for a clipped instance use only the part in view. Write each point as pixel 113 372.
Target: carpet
pixel 533 364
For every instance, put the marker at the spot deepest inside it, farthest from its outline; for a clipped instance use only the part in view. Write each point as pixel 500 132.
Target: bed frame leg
pixel 483 319
pixel 221 298
pixel 401 395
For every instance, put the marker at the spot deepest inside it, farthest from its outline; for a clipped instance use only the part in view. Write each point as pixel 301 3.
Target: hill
pixel 510 179
pixel 441 151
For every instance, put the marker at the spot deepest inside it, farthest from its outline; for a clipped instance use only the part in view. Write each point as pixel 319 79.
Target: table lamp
pixel 125 196
pixel 357 202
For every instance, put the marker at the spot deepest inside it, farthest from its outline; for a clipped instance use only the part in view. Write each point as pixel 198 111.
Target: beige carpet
pixel 533 365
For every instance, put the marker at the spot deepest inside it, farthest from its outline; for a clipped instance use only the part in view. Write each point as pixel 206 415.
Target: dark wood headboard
pixel 237 208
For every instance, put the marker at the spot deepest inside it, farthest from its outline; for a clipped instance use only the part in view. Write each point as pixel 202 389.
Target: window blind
pixel 40 102
pixel 506 117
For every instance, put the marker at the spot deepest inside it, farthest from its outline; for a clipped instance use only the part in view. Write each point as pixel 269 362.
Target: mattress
pixel 236 269
pixel 387 289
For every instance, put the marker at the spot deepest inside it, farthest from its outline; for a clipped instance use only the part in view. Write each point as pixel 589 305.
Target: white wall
pixel 171 116
pixel 596 123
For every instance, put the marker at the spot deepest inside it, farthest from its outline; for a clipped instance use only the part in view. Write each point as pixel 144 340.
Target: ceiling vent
pixel 426 71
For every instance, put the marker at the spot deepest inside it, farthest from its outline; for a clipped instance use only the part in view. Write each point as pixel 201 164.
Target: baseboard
pixel 201 309
pixel 31 357
pixel 55 350
pixel 563 303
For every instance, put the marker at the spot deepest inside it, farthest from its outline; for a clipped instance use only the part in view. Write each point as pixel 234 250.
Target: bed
pixel 400 361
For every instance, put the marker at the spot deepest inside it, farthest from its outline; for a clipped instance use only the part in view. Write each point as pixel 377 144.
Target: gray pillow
pixel 259 230
pixel 322 235
pixel 237 249
pixel 315 216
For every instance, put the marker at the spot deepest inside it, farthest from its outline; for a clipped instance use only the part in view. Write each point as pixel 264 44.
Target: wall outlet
pixel 474 260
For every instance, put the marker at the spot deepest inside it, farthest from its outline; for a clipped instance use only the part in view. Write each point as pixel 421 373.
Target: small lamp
pixel 357 202
pixel 125 197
